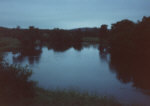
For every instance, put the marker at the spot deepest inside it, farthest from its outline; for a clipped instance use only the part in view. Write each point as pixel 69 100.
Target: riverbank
pixel 70 98
pixel 61 98
pixel 9 44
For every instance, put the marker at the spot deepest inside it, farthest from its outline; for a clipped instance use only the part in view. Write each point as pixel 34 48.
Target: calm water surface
pixel 83 70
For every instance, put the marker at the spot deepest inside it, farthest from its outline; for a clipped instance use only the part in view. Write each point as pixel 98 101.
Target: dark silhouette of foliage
pixel 32 54
pixel 103 35
pixel 129 50
pixel 14 83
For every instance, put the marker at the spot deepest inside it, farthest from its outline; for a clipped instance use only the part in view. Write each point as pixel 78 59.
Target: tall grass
pixel 9 44
pixel 72 98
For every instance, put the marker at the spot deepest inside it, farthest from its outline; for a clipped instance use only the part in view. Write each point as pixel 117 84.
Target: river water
pixel 85 70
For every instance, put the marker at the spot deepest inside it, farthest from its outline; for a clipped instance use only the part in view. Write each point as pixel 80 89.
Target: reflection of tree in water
pixel 130 67
pixel 57 47
pixel 32 54
pixel 78 46
pixel 103 53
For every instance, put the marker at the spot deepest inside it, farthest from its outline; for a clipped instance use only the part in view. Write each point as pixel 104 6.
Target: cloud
pixel 65 12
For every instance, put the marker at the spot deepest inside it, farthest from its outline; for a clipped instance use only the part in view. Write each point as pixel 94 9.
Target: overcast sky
pixel 68 14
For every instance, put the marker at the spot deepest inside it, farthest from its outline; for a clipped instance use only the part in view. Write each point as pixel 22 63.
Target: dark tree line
pixel 127 42
pixel 129 46
pixel 126 36
pixel 57 39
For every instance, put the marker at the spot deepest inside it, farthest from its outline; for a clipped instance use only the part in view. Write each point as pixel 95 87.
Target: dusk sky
pixel 68 14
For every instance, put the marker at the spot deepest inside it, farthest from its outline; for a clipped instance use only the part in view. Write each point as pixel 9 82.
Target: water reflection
pixel 130 67
pixel 78 47
pixel 135 69
pixel 90 68
pixel 32 54
pixel 103 53
pixel 59 47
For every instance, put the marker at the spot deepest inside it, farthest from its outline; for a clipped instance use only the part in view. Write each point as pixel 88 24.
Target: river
pixel 85 70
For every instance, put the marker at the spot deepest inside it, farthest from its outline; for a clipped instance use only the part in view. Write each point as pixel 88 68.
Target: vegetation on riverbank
pixel 72 98
pixel 128 44
pixel 127 37
pixel 61 98
pixel 9 44
pixel 124 36
pixel 91 39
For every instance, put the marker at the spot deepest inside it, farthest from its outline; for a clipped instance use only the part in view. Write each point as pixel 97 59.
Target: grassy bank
pixel 9 44
pixel 91 39
pixel 71 98
pixel 61 98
